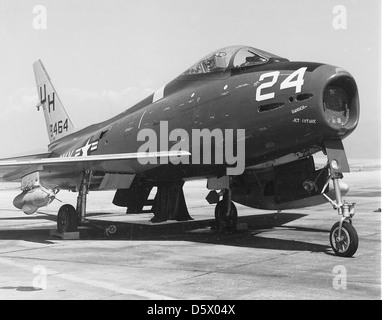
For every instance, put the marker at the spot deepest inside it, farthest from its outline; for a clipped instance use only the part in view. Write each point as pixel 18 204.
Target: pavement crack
pixel 26 250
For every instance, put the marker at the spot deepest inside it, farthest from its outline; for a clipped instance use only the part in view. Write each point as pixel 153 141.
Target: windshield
pixel 247 57
pixel 227 58
pixel 214 62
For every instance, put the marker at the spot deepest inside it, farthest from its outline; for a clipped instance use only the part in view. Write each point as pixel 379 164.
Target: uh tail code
pixel 43 98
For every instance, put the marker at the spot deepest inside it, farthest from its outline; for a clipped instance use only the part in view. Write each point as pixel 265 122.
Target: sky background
pixel 104 56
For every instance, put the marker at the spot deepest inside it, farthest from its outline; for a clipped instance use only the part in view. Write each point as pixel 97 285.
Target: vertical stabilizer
pixel 58 123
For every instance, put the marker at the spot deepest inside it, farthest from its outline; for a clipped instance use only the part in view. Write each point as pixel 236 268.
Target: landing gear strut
pixel 68 217
pixel 343 236
pixel 82 197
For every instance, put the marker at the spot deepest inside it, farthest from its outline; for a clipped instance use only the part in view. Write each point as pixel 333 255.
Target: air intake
pixel 269 107
pixel 304 97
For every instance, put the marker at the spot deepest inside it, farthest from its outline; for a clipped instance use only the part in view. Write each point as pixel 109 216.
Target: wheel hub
pixel 341 242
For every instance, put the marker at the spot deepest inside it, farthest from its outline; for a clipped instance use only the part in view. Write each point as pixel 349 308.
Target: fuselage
pixel 284 107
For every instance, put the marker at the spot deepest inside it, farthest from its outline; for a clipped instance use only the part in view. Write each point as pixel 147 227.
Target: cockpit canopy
pixel 231 58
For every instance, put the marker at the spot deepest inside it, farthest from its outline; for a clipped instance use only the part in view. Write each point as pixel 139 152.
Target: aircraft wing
pixel 13 169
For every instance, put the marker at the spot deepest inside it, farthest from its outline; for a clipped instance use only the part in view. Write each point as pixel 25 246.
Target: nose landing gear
pixel 343 236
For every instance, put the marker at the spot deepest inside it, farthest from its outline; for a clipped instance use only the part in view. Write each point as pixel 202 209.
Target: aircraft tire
pixel 347 244
pixel 224 222
pixel 67 220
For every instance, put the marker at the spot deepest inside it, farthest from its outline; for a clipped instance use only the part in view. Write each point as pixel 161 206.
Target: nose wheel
pixel 344 240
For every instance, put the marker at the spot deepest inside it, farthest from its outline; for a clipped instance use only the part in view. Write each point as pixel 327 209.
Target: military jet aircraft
pixel 280 112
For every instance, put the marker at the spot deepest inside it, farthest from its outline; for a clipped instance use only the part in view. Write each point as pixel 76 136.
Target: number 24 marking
pixel 287 83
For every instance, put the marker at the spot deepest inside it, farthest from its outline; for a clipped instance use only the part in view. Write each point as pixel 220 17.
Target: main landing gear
pixel 169 205
pixel 69 218
pixel 226 214
pixel 343 236
pixel 225 210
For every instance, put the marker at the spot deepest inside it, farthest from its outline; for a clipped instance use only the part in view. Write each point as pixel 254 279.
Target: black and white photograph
pixel 194 155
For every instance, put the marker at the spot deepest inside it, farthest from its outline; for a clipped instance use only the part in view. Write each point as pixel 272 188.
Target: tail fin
pixel 58 123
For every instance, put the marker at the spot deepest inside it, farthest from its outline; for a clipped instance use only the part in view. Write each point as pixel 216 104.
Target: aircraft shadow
pixel 41 236
pixel 44 216
pixel 200 231
pixel 203 232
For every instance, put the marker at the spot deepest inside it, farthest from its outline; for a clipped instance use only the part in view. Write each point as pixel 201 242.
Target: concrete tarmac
pixel 283 255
